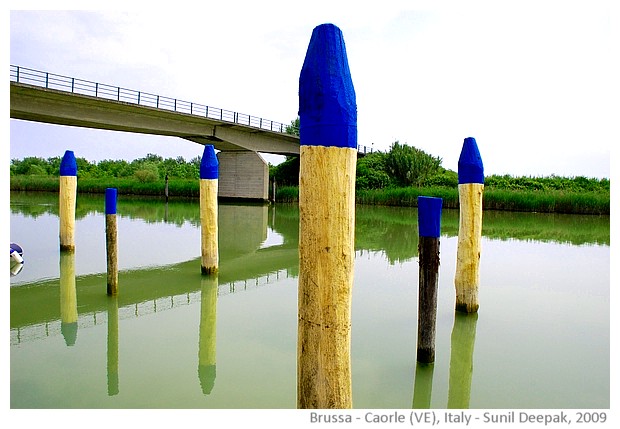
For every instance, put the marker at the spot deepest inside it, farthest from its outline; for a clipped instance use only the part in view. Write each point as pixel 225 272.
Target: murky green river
pixel 175 339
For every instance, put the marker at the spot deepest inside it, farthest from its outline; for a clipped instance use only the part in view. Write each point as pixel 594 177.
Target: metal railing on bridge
pixel 100 90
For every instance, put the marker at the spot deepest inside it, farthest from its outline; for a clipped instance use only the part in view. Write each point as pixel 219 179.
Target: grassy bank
pixel 524 200
pixel 548 201
pixel 186 188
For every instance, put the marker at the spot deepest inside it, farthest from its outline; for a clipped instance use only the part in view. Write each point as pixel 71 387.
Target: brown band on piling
pixel 112 254
pixel 428 249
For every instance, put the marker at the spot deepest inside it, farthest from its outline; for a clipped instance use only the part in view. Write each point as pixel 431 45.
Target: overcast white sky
pixel 532 81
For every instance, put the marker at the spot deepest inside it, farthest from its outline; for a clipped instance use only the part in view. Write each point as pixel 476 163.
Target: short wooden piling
pixel 67 201
pixel 328 155
pixel 208 211
pixel 471 186
pixel 166 187
pixel 429 228
pixel 111 240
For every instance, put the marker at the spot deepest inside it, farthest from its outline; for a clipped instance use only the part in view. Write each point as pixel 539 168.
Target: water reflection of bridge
pixel 41 309
pixel 96 317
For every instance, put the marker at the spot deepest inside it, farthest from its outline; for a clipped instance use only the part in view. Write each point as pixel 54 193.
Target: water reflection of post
pixel 462 359
pixel 423 385
pixel 68 298
pixel 207 337
pixel 112 364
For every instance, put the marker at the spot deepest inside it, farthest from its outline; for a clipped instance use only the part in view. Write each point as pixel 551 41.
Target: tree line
pixel 402 166
pixel 148 169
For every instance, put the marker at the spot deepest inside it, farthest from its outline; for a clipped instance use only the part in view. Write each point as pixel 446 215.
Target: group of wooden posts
pixel 328 155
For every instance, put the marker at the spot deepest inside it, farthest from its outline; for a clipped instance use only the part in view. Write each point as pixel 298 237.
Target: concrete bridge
pixel 49 98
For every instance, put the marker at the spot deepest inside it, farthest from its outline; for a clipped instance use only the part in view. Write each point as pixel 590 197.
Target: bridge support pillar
pixel 243 175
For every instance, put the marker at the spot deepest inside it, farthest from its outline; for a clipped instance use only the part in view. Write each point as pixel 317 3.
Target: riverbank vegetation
pixel 392 178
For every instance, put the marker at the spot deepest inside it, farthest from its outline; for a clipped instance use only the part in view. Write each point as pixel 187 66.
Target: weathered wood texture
pixel 208 225
pixel 428 249
pixel 467 277
pixel 111 241
pixel 66 211
pixel 326 256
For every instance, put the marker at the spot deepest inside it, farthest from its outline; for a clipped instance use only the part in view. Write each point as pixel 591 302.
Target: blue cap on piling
pixel 470 163
pixel 110 200
pixel 68 164
pixel 429 216
pixel 327 106
pixel 209 163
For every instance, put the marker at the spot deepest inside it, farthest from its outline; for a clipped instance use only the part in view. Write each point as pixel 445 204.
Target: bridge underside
pixel 243 172
pixel 243 175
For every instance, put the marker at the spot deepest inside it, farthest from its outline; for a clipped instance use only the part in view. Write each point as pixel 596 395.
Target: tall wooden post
pixel 471 186
pixel 429 227
pixel 208 210
pixel 328 156
pixel 111 240
pixel 67 200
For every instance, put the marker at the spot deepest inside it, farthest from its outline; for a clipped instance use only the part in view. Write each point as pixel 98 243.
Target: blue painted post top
pixel 68 164
pixel 209 163
pixel 429 216
pixel 110 200
pixel 470 163
pixel 327 104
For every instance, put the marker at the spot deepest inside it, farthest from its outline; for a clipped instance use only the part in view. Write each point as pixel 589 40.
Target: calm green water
pixel 174 339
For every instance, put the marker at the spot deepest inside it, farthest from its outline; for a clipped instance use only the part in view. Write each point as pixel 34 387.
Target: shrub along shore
pixel 393 178
pixel 525 200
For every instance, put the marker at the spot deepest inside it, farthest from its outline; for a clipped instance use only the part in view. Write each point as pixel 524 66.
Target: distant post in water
pixel 67 200
pixel 328 156
pixel 208 210
pixel 429 228
pixel 471 186
pixel 111 240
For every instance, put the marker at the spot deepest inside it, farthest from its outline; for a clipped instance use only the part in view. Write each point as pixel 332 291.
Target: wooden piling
pixel 208 211
pixel 67 201
pixel 471 186
pixel 111 240
pixel 328 156
pixel 429 227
